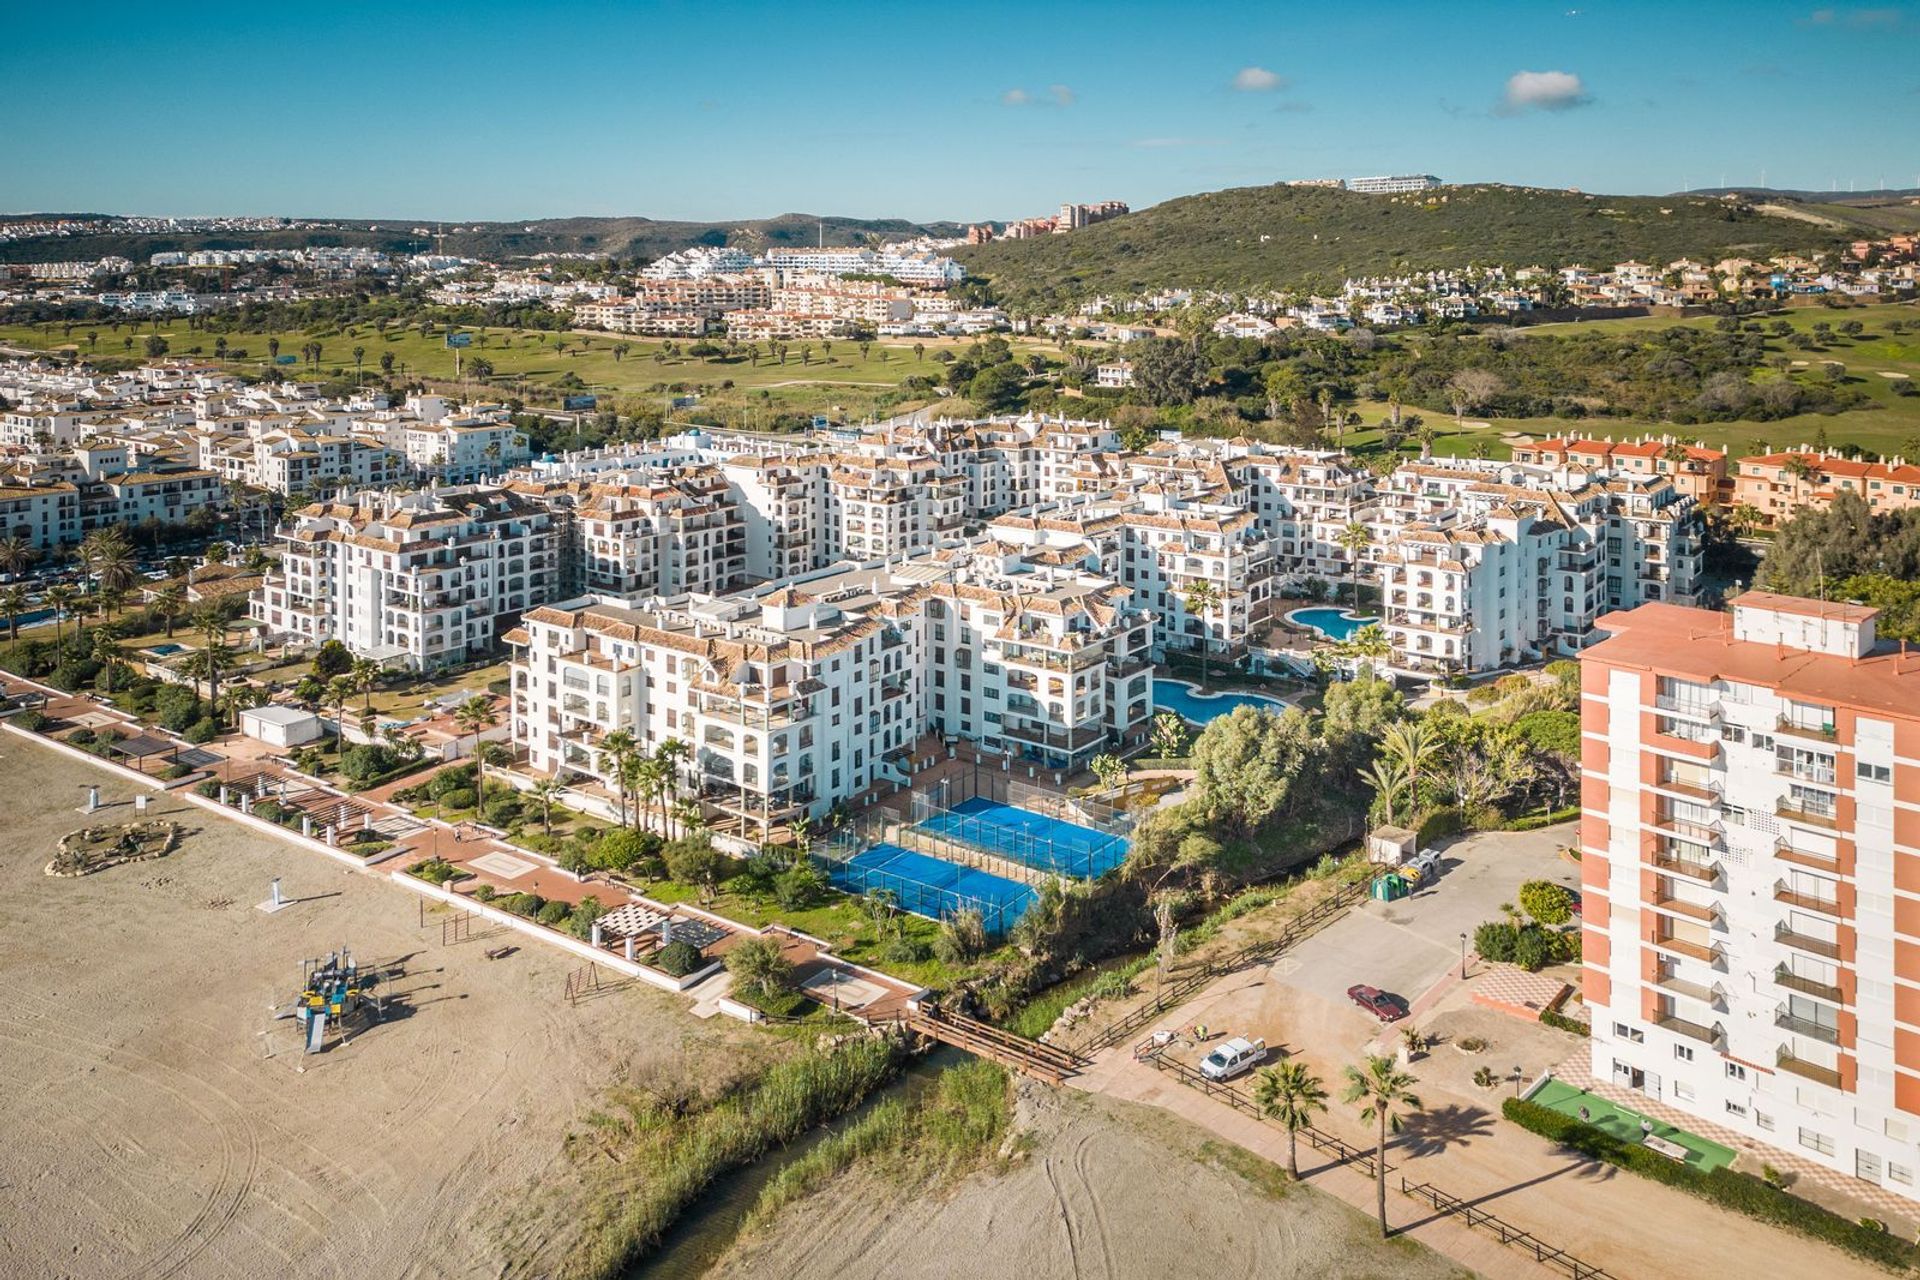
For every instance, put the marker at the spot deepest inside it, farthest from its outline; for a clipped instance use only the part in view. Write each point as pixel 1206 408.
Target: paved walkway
pixel 1606 1217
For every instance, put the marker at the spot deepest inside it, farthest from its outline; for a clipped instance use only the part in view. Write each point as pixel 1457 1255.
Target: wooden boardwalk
pixel 1045 1062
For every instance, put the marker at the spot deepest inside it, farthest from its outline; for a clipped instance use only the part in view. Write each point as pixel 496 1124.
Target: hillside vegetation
pixel 1282 237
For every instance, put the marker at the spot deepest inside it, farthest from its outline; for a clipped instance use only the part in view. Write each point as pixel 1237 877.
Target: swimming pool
pixel 1034 839
pixel 1198 708
pixel 1334 624
pixel 165 650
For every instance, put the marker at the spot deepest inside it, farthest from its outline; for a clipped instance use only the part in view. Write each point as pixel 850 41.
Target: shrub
pixel 1532 949
pixel 1437 825
pixel 758 872
pixel 694 860
pixel 799 886
pixel 176 706
pixel 366 762
pixel 175 771
pixel 201 730
pixel 901 949
pixel 483 893
pixel 456 779
pixel 963 936
pixel 554 913
pixel 1740 1192
pixel 1485 1078
pixel 758 968
pixel 503 811
pixel 1546 902
pixel 527 905
pixel 1560 1021
pixel 457 798
pixel 81 737
pixel 623 848
pixel 585 912
pixel 677 958
pixel 1472 1044
pixel 434 871
pixel 210 789
pixel 31 721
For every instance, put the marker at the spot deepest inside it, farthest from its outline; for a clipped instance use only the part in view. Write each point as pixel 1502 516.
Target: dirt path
pixel 1107 1191
pixel 147 1135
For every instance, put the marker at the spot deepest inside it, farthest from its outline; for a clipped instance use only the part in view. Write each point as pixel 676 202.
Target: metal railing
pixel 1508 1234
pixel 1342 1151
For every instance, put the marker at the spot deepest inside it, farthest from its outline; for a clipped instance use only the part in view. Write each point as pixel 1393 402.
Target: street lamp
pixel 1463 957
pixel 1516 1080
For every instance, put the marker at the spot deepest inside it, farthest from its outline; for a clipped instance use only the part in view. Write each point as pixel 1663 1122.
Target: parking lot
pixel 1405 947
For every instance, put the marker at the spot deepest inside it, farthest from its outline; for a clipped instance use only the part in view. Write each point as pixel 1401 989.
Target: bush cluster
pixel 1530 946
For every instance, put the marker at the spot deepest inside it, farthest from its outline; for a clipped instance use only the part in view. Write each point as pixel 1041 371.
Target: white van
pixel 1232 1058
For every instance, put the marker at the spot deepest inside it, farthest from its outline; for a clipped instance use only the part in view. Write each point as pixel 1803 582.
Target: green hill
pixel 1284 237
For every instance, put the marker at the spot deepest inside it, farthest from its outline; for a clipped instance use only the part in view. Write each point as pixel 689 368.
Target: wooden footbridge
pixel 1046 1062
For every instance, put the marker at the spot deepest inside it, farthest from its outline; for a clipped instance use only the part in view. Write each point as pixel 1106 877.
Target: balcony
pixel 1807 814
pixel 1787 937
pixel 1784 976
pixel 1786 1061
pixel 1788 1021
pixel 1704 872
pixel 1692 709
pixel 1804 858
pixel 1681 987
pixel 1684 829
pixel 1826 906
pixel 1702 791
pixel 1819 731
pixel 1691 910
pixel 1691 1030
pixel 1681 947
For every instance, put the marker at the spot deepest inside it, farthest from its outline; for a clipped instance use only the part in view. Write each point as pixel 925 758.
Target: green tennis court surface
pixel 1625 1125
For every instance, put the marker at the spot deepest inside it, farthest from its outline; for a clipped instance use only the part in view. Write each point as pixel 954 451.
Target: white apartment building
pixel 804 695
pixel 1393 184
pixel 666 533
pixel 1752 875
pixel 416 580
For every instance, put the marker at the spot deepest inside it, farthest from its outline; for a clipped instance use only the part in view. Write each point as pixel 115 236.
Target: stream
pixel 709 1227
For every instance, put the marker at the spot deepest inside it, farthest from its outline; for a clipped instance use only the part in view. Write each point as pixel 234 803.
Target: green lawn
pixel 1624 1125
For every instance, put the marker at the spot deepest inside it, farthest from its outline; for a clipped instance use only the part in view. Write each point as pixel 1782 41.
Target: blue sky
pixel 971 110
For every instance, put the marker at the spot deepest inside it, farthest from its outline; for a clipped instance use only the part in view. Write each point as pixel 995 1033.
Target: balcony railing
pixel 1786 1061
pixel 1691 910
pixel 1691 1030
pixel 1822 947
pixel 1693 709
pixel 1704 872
pixel 1783 975
pixel 1680 946
pixel 1680 986
pixel 1805 858
pixel 1784 892
pixel 1820 731
pixel 1703 792
pixel 1812 815
pixel 1786 1020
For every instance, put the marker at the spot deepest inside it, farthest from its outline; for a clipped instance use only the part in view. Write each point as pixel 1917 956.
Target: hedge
pixel 1740 1192
pixel 1534 821
pixel 1438 824
pixel 1554 1018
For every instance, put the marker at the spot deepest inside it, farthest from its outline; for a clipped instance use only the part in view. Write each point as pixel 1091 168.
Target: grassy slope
pixel 1281 236
pixel 1884 428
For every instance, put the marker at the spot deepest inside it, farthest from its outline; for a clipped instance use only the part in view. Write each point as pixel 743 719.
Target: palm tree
pixel 652 777
pixel 1368 642
pixel 618 747
pixel 1290 1095
pixel 1384 1095
pixel 1201 599
pixel 16 554
pixel 214 655
pixel 169 603
pixel 476 715
pixel 207 663
pixel 109 559
pixel 365 674
pixel 1389 781
pixel 59 597
pixel 13 600
pixel 544 793
pixel 1412 745
pixel 111 654
pixel 1354 539
pixel 672 753
pixel 1110 769
pixel 340 691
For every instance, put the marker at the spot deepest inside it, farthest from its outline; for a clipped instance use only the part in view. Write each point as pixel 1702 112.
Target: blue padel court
pixel 1032 839
pixel 933 887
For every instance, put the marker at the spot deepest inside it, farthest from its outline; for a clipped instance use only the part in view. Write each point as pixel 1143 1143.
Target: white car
pixel 1233 1057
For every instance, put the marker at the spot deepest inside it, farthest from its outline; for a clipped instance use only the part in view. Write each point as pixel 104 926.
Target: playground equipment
pixel 333 990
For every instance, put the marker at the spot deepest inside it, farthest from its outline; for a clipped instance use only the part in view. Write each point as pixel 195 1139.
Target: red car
pixel 1387 1008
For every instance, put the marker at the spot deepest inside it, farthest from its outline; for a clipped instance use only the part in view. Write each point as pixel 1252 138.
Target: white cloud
pixel 1542 91
pixel 1257 80
pixel 1057 95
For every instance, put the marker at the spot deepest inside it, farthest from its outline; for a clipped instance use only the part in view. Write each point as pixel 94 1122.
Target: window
pixel 1622 1031
pixel 1733 733
pixel 1900 1173
pixel 1875 772
pixel 1735 1109
pixel 1683 1052
pixel 1736 1072
pixel 1816 1141
pixel 1762 1120
pixel 1684 1092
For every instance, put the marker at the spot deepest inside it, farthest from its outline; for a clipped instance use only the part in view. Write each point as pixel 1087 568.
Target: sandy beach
pixel 148 1133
